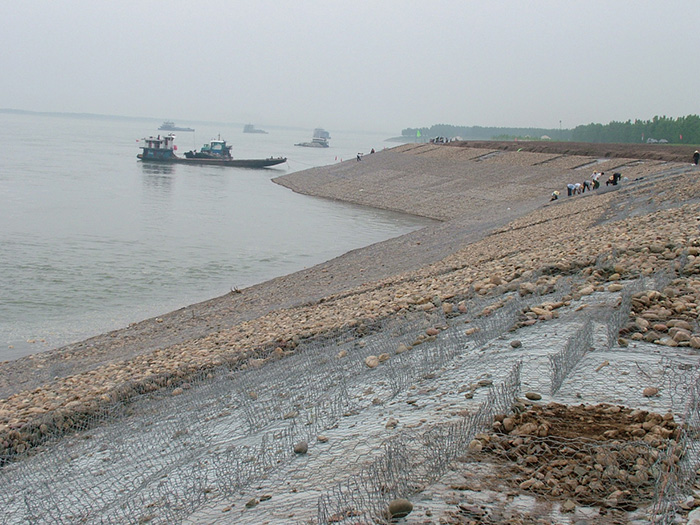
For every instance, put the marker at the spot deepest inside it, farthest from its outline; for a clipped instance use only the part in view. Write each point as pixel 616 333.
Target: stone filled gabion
pixel 667 317
pixel 601 455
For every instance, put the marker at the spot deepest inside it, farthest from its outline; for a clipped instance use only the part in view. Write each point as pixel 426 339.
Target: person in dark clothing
pixel 696 157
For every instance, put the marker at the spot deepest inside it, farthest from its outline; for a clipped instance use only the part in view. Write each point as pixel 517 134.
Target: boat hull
pixel 233 163
pixel 312 145
pixel 174 128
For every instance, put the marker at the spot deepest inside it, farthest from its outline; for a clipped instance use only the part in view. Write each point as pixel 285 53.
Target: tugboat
pixel 169 125
pixel 319 140
pixel 159 149
pixel 216 153
pixel 249 128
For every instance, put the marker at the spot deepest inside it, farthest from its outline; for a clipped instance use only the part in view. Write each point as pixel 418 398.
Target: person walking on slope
pixel 696 157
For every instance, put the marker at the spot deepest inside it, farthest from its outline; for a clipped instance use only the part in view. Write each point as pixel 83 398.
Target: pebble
pixel 533 396
pixel 568 506
pixel 400 508
pixel 371 361
pixel 301 448
pixel 650 391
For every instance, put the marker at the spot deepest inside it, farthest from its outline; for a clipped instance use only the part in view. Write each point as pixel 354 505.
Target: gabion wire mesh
pixel 410 461
pixel 163 455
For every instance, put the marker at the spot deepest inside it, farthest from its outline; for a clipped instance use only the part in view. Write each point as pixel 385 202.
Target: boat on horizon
pixel 169 125
pixel 319 140
pixel 321 134
pixel 250 128
pixel 216 153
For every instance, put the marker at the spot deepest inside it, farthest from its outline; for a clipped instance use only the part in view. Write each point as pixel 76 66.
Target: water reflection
pixel 158 176
pixel 157 168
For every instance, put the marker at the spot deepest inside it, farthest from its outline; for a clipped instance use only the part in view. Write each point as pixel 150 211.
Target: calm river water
pixel 92 239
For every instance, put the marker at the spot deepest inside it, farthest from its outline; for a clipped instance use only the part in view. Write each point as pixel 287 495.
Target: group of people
pixel 589 185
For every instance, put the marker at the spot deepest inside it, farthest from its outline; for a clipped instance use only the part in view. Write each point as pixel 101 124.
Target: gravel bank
pixel 498 229
pixel 473 191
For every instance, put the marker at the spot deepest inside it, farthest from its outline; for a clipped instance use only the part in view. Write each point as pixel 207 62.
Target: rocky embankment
pixel 498 228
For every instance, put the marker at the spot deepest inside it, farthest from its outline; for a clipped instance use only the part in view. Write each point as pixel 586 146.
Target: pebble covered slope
pixel 497 230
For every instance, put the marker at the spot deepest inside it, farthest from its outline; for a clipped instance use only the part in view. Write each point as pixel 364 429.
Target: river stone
pixel 642 323
pixel 667 341
pixel 615 287
pixel 533 396
pixel 400 508
pixel 568 506
pixel 650 391
pixel 401 349
pixel 516 343
pixel 301 448
pixel 527 288
pixel 372 361
pixel 680 323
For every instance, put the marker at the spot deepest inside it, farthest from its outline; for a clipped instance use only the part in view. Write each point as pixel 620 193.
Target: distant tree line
pixel 483 133
pixel 682 130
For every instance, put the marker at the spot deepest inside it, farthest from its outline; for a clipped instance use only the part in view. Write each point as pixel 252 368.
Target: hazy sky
pixel 379 65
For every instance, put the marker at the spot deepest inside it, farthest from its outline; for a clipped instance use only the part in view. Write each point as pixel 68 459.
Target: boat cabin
pixel 159 148
pixel 216 149
pixel 320 133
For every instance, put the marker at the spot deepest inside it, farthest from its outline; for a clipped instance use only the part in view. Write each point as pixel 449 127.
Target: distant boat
pixel 249 128
pixel 320 133
pixel 316 142
pixel 216 153
pixel 319 140
pixel 169 125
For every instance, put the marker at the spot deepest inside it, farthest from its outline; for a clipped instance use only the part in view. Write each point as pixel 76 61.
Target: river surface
pixel 91 239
